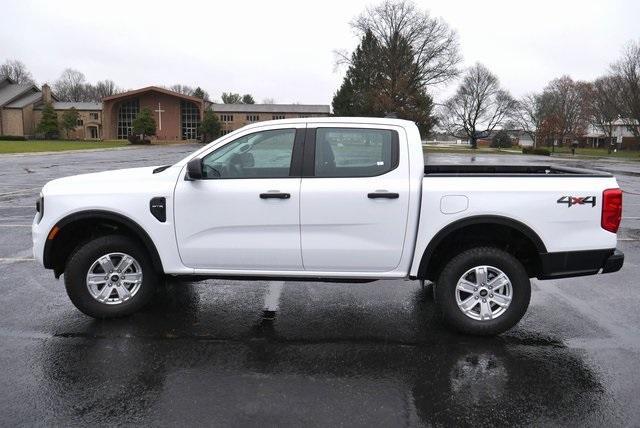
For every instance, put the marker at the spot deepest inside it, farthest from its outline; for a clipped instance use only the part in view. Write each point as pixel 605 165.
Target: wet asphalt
pixel 336 354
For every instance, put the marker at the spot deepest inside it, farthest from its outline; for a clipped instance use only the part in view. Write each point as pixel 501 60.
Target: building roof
pixel 5 81
pixel 155 89
pixel 12 91
pixel 272 108
pixel 66 105
pixel 24 101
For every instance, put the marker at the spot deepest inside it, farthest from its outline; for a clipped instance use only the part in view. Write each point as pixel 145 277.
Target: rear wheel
pixel 110 276
pixel 483 291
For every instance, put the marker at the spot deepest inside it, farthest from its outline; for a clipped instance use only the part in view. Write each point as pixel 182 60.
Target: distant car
pixel 329 199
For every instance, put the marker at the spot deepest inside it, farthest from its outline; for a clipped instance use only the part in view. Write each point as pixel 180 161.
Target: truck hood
pixel 120 180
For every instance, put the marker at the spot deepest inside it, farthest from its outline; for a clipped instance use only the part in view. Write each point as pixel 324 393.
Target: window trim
pixel 309 158
pixel 295 167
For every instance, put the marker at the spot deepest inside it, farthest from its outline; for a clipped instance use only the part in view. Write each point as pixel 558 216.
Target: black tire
pixel 80 261
pixel 445 291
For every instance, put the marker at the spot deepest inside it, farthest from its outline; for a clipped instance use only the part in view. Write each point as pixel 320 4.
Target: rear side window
pixel 355 152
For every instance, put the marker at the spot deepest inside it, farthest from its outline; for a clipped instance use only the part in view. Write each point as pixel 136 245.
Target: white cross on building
pixel 159 111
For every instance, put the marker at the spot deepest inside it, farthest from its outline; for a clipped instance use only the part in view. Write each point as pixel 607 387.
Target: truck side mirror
pixel 194 170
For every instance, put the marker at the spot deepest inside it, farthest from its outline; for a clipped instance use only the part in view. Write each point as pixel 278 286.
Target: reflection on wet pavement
pixel 336 354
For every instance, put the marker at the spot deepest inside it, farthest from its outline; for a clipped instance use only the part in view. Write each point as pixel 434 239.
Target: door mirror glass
pixel 194 169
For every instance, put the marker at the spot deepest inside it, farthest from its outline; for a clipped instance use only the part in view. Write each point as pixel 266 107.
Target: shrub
pixel 501 140
pixel 12 138
pixel 536 151
pixel 135 139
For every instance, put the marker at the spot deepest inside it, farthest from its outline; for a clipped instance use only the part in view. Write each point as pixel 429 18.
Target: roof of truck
pixel 352 120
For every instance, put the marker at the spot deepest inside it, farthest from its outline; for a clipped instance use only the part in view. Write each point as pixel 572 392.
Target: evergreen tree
pixel 49 122
pixel 248 99
pixel 69 120
pixel 200 93
pixel 380 81
pixel 144 123
pixel 356 96
pixel 210 126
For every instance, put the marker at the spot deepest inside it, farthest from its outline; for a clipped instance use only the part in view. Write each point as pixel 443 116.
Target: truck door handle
pixel 383 195
pixel 275 195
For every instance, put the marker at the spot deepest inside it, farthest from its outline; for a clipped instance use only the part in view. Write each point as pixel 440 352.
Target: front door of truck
pixel 244 214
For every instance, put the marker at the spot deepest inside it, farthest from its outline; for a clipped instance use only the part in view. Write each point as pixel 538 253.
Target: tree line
pixel 403 52
pixel 72 85
pixel 565 108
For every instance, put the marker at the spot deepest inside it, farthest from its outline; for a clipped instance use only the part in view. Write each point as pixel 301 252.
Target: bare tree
pixel 603 99
pixel 16 71
pixel 626 74
pixel 479 105
pixel 567 114
pixel 268 101
pixel 105 88
pixel 231 98
pixel 433 44
pixel 181 89
pixel 71 86
pixel 529 114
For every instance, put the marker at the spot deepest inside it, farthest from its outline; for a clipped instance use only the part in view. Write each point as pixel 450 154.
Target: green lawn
pixel 627 154
pixel 56 145
pixel 561 151
pixel 462 149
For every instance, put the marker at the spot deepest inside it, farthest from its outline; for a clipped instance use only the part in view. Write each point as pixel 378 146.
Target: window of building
pixel 351 152
pixel 226 118
pixel 278 116
pixel 93 116
pixel 265 154
pixel 79 122
pixel 190 120
pixel 225 131
pixel 126 114
pixel 302 116
pixel 253 118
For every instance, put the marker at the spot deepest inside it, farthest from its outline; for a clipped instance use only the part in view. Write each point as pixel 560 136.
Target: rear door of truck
pixel 354 197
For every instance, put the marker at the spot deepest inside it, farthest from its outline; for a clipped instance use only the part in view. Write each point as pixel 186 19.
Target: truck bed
pixel 480 170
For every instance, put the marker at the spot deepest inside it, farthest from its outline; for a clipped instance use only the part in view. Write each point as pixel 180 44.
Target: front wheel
pixel 483 291
pixel 110 276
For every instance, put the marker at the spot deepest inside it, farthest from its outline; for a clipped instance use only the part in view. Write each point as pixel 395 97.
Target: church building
pixel 177 116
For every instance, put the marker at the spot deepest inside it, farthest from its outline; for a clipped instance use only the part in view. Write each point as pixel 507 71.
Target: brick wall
pixel 240 119
pixel 12 122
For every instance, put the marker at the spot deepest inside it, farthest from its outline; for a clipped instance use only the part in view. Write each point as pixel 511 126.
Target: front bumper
pixel 580 263
pixel 38 237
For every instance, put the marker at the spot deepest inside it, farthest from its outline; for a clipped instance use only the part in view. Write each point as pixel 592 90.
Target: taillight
pixel 611 209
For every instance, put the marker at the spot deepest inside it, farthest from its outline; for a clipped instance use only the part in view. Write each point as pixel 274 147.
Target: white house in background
pixel 525 140
pixel 622 135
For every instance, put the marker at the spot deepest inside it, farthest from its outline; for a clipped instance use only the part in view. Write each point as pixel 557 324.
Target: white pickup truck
pixel 329 199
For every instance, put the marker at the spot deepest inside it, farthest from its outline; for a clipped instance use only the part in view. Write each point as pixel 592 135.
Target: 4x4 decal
pixel 577 200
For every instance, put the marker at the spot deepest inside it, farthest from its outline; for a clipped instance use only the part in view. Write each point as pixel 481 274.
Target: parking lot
pixel 336 354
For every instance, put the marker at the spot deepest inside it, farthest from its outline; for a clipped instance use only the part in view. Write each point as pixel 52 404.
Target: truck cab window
pixel 355 152
pixel 265 154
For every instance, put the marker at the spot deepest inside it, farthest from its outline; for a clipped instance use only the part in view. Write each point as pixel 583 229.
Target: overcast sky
pixel 284 49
